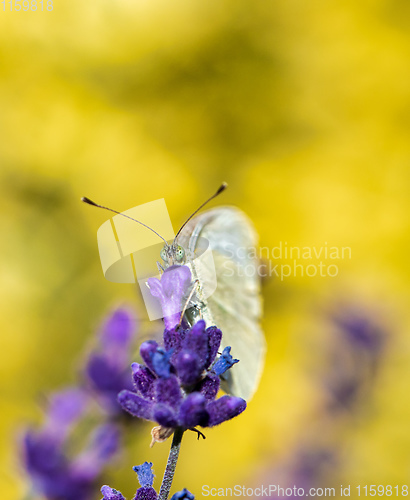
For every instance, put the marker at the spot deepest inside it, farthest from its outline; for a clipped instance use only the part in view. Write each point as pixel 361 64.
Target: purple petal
pixel 170 291
pixel 48 468
pixel 209 386
pixel 147 350
pixel 193 412
pixel 167 391
pixel 196 340
pixel 188 367
pixel 118 329
pixel 161 362
pixel 103 445
pixel 224 408
pixel 173 339
pixel 105 442
pixel 135 405
pixel 362 331
pixel 105 375
pixel 42 454
pixel 175 281
pixel 143 380
pixel 155 288
pixel 144 473
pixel 66 407
pixel 215 337
pixel 111 494
pixel 165 415
pixel 146 494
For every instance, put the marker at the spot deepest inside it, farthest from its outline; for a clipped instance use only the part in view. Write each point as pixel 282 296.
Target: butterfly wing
pixel 235 306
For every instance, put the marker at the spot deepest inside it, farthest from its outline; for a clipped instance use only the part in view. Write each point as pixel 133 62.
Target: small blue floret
pixel 183 495
pixel 145 474
pixel 224 362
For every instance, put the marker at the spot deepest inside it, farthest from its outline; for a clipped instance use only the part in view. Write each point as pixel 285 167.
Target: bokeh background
pixel 304 109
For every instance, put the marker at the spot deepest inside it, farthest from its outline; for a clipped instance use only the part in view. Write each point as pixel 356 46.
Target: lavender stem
pixel 171 464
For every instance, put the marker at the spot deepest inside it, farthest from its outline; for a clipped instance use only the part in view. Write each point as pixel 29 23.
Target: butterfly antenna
pixel 92 203
pixel 221 188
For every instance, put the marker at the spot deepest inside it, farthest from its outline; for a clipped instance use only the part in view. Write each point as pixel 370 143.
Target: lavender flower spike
pixel 53 470
pixel 170 291
pixel 111 494
pixel 146 478
pixel 178 385
pixel 146 491
pixel 106 369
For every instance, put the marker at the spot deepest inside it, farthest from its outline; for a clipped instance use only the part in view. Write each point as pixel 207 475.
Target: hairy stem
pixel 171 465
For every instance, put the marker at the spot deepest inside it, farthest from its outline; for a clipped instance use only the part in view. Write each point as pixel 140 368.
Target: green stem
pixel 171 464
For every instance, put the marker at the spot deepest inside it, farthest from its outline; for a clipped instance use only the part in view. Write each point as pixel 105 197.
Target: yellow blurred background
pixel 304 109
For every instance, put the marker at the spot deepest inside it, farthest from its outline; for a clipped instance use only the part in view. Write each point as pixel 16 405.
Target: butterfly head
pixel 173 254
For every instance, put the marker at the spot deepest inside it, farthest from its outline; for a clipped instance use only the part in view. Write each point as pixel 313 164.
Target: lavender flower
pixel 53 472
pixel 178 384
pixel 111 493
pixel 361 330
pixel 355 356
pixel 308 467
pixel 170 291
pixel 106 369
pixel 355 351
pixel 146 491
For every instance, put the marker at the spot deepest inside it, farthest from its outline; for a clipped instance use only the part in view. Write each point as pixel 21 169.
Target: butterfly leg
pixel 194 289
pixel 199 311
pixel 199 433
pixel 160 268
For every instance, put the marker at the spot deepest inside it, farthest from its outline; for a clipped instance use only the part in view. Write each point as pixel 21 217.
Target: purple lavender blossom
pixel 356 355
pixel 177 385
pixel 102 445
pixel 308 467
pixel 106 369
pixel 65 408
pixel 111 493
pixel 54 474
pixel 146 479
pixel 146 491
pixel 311 464
pixel 361 330
pixel 170 291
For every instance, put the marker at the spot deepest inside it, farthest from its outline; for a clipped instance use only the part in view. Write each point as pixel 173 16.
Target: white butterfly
pixel 235 306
